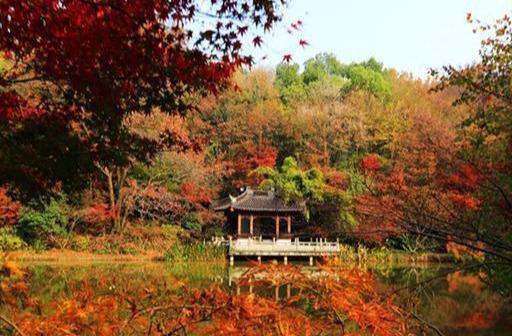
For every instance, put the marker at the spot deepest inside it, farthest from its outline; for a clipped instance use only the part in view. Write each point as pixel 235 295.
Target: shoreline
pixel 64 255
pixel 74 256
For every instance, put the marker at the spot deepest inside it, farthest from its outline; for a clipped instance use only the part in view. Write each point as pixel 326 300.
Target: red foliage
pixel 14 107
pixel 98 214
pixel 466 178
pixel 195 194
pixel 121 46
pixel 466 200
pixel 251 157
pixel 9 209
pixel 396 180
pixel 264 156
pixel 303 43
pixel 371 162
pixel 102 61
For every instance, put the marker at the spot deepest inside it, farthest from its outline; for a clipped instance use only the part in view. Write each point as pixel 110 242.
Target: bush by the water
pixel 9 241
pixel 195 252
pixel 40 226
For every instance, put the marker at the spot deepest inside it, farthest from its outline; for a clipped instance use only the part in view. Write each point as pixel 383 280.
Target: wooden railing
pixel 285 247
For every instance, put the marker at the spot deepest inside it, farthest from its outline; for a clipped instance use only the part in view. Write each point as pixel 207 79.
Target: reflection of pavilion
pixel 260 224
pixel 285 291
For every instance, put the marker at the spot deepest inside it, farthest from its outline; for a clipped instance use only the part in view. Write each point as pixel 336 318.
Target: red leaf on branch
pixel 257 41
pixel 303 43
pixel 287 58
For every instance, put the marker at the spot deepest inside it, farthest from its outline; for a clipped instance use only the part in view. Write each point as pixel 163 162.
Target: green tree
pixel 327 207
pixel 289 83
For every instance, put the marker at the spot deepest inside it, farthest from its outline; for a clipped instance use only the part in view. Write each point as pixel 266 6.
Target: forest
pixel 117 137
pixel 379 156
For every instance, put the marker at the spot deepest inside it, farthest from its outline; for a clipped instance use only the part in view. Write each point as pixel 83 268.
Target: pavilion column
pixel 239 224
pixel 277 226
pixel 251 225
pixel 289 222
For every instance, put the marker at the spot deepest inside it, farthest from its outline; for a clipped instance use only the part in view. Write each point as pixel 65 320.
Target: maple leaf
pixel 303 43
pixel 257 41
pixel 287 58
pixel 242 30
pixel 295 26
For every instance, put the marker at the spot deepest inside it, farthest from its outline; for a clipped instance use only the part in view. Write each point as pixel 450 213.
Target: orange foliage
pixel 84 313
pixel 337 298
pixel 459 250
pixel 9 210
pixel 98 214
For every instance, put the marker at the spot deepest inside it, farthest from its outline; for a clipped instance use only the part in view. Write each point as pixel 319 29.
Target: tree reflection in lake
pixel 457 303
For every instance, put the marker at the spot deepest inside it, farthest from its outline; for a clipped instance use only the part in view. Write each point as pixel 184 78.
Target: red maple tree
pixel 88 65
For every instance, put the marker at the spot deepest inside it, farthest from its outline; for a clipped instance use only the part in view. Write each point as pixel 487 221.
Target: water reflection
pixel 465 302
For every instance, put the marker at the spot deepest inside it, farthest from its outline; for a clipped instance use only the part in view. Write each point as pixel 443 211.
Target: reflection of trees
pixel 456 298
pixel 450 299
pixel 136 299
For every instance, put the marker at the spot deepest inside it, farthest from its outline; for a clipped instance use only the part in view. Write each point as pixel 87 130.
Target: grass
pixel 195 252
pixel 390 256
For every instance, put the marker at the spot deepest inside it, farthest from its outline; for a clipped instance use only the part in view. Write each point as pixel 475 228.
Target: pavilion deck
pixel 281 248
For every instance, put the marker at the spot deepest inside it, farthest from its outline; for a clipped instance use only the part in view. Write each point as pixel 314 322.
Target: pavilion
pixel 256 213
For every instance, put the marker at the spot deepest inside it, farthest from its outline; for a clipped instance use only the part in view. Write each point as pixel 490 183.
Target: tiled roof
pixel 255 200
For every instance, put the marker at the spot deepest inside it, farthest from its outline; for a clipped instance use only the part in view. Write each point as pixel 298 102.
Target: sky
pixel 409 35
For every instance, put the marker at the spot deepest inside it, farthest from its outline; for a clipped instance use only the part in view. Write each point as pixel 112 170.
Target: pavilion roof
pixel 257 201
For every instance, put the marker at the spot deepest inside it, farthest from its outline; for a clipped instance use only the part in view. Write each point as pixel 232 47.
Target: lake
pixel 464 302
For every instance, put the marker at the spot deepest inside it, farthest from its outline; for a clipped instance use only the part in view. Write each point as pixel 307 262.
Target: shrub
pixel 42 226
pixel 191 222
pixel 38 245
pixel 9 241
pixel 212 231
pixel 80 243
